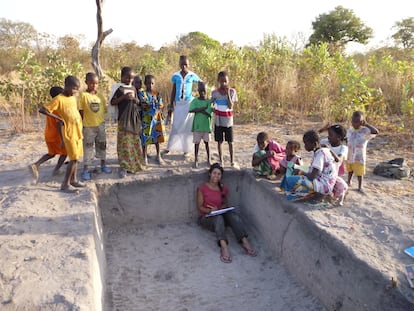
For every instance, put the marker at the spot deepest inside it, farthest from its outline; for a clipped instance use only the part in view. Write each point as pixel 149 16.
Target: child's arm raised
pixel 373 130
pixel 324 128
pixel 230 102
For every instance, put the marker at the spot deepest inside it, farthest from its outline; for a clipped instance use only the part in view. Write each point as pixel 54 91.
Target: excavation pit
pixel 156 257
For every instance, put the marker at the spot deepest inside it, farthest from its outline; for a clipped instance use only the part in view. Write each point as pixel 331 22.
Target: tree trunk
pixel 101 37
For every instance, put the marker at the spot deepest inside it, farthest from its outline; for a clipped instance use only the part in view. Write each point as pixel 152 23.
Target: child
pixel 181 96
pixel 357 137
pixel 203 111
pixel 335 140
pixel 92 107
pixel 292 147
pixel 224 99
pixel 129 147
pixel 153 128
pixel 65 106
pixel 54 142
pixel 322 173
pixel 267 155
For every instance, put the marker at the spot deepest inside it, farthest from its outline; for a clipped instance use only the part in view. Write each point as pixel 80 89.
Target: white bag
pixel 113 109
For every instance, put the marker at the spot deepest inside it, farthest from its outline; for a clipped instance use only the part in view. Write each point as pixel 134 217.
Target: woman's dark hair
pixel 338 130
pixel 214 166
pixel 311 136
pixel 211 169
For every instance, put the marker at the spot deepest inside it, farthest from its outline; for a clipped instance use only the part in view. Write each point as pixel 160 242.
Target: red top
pixel 212 197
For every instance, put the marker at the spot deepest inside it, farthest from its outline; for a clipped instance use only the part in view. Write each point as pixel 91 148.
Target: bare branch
pixel 99 40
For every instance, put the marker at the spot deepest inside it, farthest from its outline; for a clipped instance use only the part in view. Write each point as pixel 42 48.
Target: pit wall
pixel 99 262
pixel 321 262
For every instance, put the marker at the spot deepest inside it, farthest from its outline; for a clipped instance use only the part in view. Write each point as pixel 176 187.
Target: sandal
pixel 225 259
pixel 250 251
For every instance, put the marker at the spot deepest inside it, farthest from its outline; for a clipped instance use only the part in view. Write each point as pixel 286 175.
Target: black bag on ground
pixel 394 168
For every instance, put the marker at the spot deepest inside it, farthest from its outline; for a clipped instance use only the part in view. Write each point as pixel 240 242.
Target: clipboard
pixel 410 251
pixel 220 211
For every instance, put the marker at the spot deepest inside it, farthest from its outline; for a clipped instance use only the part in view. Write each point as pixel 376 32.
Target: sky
pixel 161 22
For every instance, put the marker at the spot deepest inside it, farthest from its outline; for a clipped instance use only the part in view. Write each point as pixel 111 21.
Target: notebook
pixel 410 251
pixel 220 211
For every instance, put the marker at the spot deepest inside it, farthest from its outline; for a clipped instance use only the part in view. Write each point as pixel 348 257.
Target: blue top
pixel 184 86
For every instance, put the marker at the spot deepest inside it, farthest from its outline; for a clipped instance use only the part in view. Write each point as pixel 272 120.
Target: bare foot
pixel 35 172
pixel 69 189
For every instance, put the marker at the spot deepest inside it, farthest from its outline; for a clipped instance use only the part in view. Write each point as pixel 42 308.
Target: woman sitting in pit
pixel 212 196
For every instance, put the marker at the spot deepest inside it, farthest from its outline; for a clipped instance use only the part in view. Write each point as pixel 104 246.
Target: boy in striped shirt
pixel 224 98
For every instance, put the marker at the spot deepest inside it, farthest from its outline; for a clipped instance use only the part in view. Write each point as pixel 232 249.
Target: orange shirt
pixel 52 130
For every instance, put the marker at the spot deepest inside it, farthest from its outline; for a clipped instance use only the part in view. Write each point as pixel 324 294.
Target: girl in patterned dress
pixel 153 128
pixel 322 173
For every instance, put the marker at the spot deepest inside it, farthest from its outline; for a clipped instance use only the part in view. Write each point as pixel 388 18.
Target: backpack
pixel 394 168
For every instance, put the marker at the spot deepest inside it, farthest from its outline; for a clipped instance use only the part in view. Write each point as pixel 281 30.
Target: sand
pixel 44 234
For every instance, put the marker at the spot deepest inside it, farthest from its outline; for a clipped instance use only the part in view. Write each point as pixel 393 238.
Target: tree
pixel 195 39
pixel 99 40
pixel 405 33
pixel 339 27
pixel 14 35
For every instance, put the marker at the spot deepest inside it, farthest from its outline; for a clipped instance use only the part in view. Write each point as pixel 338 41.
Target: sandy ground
pixel 42 229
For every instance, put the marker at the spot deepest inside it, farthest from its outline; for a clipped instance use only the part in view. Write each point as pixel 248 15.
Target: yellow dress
pixel 67 108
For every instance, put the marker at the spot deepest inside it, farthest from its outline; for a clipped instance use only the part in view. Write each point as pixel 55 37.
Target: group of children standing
pixel 221 104
pixel 75 128
pixel 75 125
pixel 330 156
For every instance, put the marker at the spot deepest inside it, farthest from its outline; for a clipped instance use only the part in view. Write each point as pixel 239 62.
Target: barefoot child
pixel 92 107
pixel 128 143
pixel 153 128
pixel 224 99
pixel 291 158
pixel 54 142
pixel 181 96
pixel 66 107
pixel 321 175
pixel 267 155
pixel 335 142
pixel 203 111
pixel 357 137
